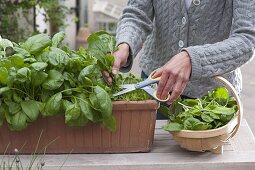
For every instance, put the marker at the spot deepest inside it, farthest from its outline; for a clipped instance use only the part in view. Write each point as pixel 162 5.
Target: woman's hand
pixel 120 59
pixel 174 76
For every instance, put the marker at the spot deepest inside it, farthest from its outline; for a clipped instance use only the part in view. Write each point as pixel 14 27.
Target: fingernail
pixel 106 73
pixel 114 72
pixel 109 80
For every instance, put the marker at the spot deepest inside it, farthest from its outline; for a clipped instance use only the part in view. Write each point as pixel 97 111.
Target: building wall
pixel 91 14
pixel 70 30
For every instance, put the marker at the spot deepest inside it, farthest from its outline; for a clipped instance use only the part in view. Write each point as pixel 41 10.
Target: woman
pixel 188 41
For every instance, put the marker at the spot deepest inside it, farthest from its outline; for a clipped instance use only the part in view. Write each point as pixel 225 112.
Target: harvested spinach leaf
pixel 214 110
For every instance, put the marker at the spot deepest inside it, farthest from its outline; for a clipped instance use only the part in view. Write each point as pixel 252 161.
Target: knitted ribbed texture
pixel 219 36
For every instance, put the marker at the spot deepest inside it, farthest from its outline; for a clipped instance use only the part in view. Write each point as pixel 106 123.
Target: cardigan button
pixel 184 20
pixel 196 2
pixel 181 43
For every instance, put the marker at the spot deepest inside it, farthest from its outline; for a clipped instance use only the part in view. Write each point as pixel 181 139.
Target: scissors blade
pixel 126 86
pixel 124 91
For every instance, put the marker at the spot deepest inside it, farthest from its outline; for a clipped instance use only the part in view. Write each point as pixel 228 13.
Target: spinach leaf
pixel 72 112
pixel 53 81
pixel 172 127
pixel 3 75
pixel 58 38
pixel 37 43
pixel 22 51
pixel 30 108
pixel 209 112
pixel 85 107
pixel 36 81
pixel 18 121
pixel 53 105
pixel 58 57
pixel 4 43
pixel 39 66
pixel 101 101
pixel 17 60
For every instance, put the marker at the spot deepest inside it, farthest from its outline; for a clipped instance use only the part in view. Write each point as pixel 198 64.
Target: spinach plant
pixel 40 77
pixel 214 110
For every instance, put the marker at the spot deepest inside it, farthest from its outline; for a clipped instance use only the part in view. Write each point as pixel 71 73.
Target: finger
pixel 106 74
pixel 157 73
pixel 161 84
pixel 116 66
pixel 109 80
pixel 177 90
pixel 168 87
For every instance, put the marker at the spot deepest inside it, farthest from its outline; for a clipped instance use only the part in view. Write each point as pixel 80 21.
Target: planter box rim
pixel 135 105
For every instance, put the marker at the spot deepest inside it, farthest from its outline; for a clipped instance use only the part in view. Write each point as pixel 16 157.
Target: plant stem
pixel 22 92
pixel 4 153
pixel 34 156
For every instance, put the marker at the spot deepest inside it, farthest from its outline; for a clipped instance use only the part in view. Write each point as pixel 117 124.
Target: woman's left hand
pixel 174 75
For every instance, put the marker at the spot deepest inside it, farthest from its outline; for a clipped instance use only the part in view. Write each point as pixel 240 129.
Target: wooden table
pixel 239 154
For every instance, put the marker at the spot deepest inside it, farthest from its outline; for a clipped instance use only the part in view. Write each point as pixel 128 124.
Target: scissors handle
pixel 148 81
pixel 152 92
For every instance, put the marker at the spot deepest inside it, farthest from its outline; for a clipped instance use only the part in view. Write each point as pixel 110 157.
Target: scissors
pixel 143 85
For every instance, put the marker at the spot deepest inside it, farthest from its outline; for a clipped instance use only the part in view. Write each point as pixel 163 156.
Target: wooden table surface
pixel 239 154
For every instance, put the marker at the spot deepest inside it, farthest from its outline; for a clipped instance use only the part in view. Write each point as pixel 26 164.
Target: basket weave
pixel 211 140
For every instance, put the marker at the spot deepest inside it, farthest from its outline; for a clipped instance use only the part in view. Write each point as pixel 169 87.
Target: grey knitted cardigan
pixel 219 36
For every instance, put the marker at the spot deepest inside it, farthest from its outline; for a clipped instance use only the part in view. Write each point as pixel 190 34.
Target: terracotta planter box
pixel 135 133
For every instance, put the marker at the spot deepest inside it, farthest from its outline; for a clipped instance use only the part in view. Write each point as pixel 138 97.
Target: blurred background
pixel 20 19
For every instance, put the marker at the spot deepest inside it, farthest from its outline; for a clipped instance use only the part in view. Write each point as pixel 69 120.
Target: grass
pixel 37 161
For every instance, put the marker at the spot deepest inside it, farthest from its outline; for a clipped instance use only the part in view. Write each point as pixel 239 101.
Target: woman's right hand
pixel 120 59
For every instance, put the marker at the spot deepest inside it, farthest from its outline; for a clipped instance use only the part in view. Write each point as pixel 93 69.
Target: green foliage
pixel 41 78
pixel 214 110
pixel 13 12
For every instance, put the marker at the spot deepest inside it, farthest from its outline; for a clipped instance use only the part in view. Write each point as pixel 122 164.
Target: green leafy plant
pixel 41 77
pixel 214 110
pixel 17 13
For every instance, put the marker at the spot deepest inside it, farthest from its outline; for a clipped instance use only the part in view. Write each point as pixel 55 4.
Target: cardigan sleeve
pixel 216 59
pixel 134 26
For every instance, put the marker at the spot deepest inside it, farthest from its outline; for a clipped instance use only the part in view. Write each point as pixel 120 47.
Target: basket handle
pixel 230 87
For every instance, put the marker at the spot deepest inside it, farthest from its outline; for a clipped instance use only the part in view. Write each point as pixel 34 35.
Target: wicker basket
pixel 211 140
